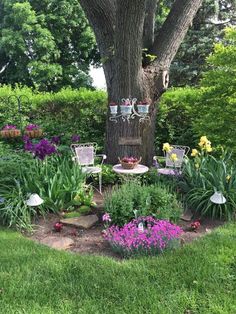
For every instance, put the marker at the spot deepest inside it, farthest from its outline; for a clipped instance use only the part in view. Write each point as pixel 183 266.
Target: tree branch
pixel 173 31
pixel 149 23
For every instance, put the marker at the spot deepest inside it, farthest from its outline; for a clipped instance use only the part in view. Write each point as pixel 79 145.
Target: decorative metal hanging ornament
pixel 127 111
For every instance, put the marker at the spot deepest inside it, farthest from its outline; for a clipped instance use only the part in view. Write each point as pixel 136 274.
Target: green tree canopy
pixel 47 44
pixel 207 28
pixel 187 113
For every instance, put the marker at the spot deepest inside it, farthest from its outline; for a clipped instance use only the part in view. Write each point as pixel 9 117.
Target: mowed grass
pixel 198 278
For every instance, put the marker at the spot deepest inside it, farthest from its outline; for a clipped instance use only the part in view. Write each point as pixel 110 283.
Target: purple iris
pixel 44 148
pixel 75 138
pixel 56 140
pixel 41 149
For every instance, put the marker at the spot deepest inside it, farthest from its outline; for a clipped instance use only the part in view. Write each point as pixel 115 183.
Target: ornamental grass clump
pixel 143 236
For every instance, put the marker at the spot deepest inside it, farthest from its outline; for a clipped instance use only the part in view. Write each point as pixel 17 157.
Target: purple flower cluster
pixel 31 127
pixel 75 138
pixel 9 127
pixel 41 149
pixel 144 235
pixel 56 139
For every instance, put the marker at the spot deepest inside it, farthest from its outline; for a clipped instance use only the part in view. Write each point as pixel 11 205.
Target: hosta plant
pixel 143 236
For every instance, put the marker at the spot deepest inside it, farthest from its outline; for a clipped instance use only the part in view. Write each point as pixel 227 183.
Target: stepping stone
pixel 62 243
pixel 85 222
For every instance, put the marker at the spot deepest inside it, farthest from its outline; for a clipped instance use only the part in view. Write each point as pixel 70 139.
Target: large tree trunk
pixel 121 35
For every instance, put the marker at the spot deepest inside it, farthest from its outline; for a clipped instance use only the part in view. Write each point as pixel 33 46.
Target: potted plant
pixel 143 106
pixel 33 130
pixel 113 107
pixel 126 106
pixel 10 131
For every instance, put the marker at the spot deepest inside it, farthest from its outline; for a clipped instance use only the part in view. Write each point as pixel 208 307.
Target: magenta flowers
pixel 143 236
pixel 9 127
pixel 31 127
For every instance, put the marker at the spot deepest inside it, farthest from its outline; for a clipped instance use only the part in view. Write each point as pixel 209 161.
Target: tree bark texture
pixel 122 29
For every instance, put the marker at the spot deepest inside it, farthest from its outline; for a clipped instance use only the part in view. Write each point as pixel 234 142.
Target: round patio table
pixel 139 169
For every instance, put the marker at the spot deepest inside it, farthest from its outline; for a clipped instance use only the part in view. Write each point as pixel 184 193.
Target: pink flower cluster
pixel 31 127
pixel 144 235
pixel 9 127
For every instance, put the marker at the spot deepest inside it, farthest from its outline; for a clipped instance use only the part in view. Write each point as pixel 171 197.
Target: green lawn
pixel 199 278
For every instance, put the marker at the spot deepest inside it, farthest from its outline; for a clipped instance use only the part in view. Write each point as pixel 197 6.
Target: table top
pixel 139 169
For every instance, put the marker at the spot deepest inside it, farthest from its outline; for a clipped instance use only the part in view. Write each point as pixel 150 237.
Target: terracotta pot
pixel 10 133
pixel 34 133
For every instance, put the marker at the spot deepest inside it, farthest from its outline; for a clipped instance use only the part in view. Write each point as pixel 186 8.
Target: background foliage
pixel 45 44
pixel 64 113
pixel 187 113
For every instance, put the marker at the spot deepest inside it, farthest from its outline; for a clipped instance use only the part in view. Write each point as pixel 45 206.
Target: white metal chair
pixel 85 155
pixel 173 167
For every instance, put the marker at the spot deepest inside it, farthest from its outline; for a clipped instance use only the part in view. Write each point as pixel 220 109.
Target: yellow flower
pixel 203 139
pixel 194 152
pixel 166 147
pixel 173 157
pixel 228 177
pixel 208 148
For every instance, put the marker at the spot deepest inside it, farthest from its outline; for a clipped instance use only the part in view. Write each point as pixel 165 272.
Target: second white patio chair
pixel 173 167
pixel 85 155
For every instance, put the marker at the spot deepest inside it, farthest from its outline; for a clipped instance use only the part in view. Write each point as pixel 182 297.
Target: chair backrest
pixel 84 153
pixel 180 152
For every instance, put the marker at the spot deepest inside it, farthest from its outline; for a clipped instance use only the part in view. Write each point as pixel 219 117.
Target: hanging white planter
pixel 113 109
pixel 143 109
pixel 125 110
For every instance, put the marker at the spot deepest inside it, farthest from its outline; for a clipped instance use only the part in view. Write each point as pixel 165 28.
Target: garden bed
pixel 91 241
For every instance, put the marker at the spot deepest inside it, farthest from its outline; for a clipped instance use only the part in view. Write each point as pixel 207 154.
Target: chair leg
pixel 100 182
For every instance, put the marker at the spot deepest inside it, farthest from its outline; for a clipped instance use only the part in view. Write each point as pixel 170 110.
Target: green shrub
pixel 131 199
pixel 66 112
pixel 175 106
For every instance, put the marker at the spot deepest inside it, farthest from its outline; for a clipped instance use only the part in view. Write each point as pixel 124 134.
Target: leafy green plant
pixel 84 197
pixel 109 177
pixel 73 214
pixel 13 209
pixel 131 199
pixel 205 174
pixel 56 179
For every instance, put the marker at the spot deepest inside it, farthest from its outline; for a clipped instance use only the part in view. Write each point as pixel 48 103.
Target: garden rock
pixel 85 222
pixel 62 243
